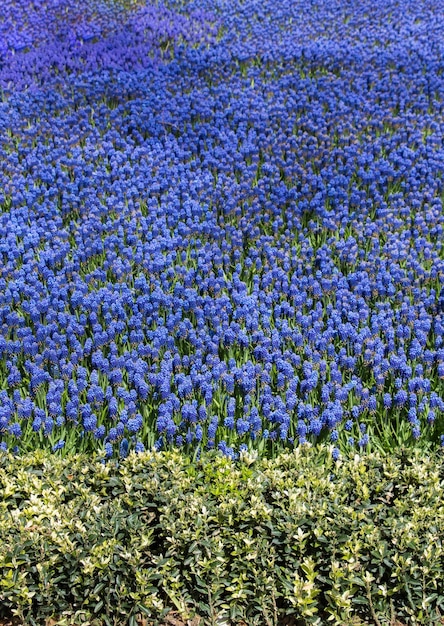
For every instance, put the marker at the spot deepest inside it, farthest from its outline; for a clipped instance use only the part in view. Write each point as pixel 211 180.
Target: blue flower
pixel 134 424
pixel 335 454
pixel 100 432
pixel 15 430
pixel 363 441
pixel 168 258
pixel 113 435
pixel 242 426
pixel 124 448
pixel 416 432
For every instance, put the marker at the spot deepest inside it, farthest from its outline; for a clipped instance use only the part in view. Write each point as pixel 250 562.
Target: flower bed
pixel 221 241
pixel 221 226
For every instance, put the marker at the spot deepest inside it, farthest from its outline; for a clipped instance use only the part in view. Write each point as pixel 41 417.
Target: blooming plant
pixel 221 225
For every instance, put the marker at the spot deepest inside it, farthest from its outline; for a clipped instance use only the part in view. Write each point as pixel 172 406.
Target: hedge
pixel 302 536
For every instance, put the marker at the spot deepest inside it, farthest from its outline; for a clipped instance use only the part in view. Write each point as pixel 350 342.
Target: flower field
pixel 222 271
pixel 221 225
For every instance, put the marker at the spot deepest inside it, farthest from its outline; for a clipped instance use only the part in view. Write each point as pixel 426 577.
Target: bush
pixel 301 535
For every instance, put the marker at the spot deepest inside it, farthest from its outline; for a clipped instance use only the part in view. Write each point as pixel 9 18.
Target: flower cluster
pixel 221 225
pixel 43 43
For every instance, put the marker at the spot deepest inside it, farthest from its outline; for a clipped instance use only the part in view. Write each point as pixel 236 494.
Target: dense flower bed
pixel 221 224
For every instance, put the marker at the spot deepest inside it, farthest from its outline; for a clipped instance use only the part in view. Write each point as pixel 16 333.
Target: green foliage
pixel 299 535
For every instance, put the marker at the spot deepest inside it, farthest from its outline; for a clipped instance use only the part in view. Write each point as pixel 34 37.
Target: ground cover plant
pixel 300 537
pixel 221 225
